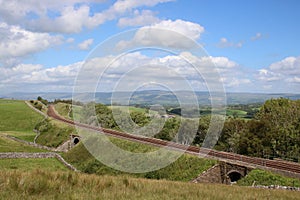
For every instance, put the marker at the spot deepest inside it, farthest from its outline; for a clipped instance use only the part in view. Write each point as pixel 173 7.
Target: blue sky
pixel 254 43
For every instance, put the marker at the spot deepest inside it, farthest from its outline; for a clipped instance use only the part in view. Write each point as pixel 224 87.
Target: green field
pixel 16 116
pixel 8 145
pixel 236 113
pixel 27 164
pixel 40 184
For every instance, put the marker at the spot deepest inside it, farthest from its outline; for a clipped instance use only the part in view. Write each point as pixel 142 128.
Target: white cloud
pixel 145 17
pixel 189 29
pixel 30 77
pixel 224 43
pixel 85 45
pixel 15 11
pixel 287 66
pixel 69 16
pixel 17 42
pixel 287 69
pixel 134 69
pixel 174 34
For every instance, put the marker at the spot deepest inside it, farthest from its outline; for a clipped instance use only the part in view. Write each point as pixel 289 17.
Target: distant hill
pixel 151 97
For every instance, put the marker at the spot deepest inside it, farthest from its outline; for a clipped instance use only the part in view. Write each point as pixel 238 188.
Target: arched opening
pixel 234 176
pixel 76 140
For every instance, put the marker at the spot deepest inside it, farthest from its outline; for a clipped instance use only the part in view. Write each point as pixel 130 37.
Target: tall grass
pixel 40 184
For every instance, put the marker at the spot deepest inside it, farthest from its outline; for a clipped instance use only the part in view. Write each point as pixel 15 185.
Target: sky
pixel 46 45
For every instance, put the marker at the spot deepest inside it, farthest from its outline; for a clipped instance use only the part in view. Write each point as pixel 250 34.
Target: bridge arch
pixel 234 175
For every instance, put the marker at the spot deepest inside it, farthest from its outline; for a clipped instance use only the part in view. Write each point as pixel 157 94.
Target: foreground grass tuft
pixel 40 184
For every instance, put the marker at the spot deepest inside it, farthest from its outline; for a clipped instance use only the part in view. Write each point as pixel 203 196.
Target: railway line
pixel 290 167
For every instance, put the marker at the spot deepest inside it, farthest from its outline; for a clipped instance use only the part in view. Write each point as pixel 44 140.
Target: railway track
pixel 220 155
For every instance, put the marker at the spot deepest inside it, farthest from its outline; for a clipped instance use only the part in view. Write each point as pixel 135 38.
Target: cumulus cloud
pixel 34 77
pixel 130 71
pixel 17 42
pixel 145 17
pixel 85 45
pixel 287 69
pixel 284 75
pixel 172 70
pixel 224 43
pixel 175 34
pixel 69 16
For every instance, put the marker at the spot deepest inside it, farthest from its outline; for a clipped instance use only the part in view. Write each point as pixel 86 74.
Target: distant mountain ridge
pixel 151 97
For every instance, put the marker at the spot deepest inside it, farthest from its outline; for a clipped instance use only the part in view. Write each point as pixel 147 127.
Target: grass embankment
pixel 16 117
pixel 69 185
pixel 185 168
pixel 53 133
pixel 63 109
pixel 261 177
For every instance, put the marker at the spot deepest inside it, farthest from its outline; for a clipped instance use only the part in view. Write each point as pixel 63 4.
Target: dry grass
pixel 69 185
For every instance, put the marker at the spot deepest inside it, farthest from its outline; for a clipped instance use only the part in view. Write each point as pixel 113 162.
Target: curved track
pixel 251 161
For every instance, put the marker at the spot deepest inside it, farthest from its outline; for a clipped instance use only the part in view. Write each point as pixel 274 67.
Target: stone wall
pixel 212 175
pixel 220 173
pixel 31 143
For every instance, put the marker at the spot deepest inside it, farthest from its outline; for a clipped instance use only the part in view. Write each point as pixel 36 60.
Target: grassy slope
pixel 63 109
pixel 16 116
pixel 53 133
pixel 8 145
pixel 184 169
pixel 69 185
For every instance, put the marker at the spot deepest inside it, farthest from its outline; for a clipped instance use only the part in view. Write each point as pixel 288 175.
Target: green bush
pixel 261 177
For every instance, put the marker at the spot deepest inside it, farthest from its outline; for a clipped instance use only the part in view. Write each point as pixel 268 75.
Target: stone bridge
pixel 223 172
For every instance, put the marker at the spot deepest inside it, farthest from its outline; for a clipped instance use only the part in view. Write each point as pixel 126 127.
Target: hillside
pixel 157 96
